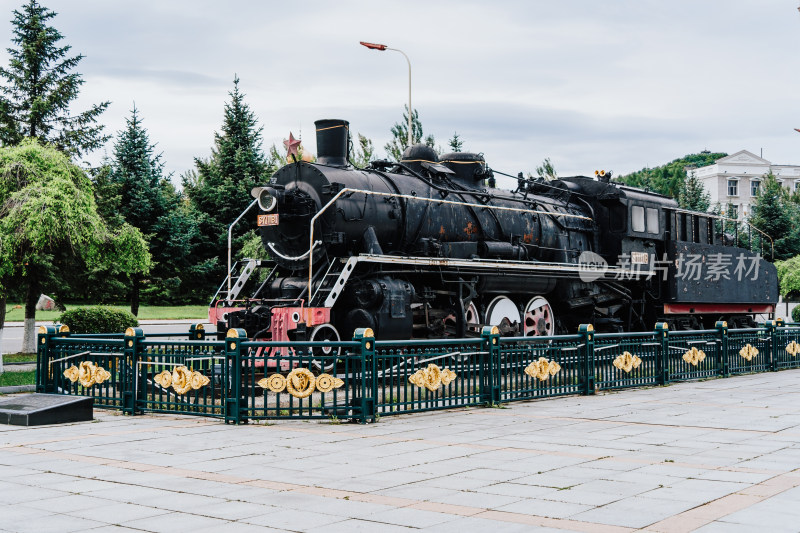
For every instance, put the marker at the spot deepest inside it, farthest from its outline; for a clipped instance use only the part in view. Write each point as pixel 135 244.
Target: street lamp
pixel 382 47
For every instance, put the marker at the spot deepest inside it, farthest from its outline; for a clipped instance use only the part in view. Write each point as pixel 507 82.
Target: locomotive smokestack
pixel 332 142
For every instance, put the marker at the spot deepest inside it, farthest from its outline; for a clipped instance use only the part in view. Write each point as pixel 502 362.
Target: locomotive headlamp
pixel 267 198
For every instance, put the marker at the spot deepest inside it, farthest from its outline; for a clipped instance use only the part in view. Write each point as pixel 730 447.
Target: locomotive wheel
pixel 539 319
pixel 504 313
pixel 323 333
pixel 471 322
pixel 472 318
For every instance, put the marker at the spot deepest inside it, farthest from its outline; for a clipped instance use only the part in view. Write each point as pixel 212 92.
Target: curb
pixel 18 388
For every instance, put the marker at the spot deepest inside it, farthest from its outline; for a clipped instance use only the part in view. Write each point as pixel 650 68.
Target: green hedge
pixel 98 320
pixel 796 313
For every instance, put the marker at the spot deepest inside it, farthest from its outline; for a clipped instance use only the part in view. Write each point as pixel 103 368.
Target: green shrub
pixel 98 320
pixel 796 313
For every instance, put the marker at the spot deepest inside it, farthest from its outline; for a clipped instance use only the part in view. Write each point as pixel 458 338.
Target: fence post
pixel 773 344
pixel 197 332
pixel 365 337
pixel 662 360
pixel 722 339
pixel 129 381
pixel 587 332
pixel 489 374
pixel 44 378
pixel 233 383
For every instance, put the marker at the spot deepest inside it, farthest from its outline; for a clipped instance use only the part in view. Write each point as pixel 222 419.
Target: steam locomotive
pixel 429 247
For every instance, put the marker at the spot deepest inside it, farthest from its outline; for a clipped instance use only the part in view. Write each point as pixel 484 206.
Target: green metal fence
pixel 238 380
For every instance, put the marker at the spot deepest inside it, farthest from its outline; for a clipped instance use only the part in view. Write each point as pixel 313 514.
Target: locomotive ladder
pixel 333 282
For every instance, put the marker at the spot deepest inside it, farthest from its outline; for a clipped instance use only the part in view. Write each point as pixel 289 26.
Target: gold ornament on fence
pixel 694 356
pixel 432 378
pixel 627 362
pixel 542 369
pixel 300 383
pixel 748 352
pixel 182 380
pixel 87 373
pixel 793 349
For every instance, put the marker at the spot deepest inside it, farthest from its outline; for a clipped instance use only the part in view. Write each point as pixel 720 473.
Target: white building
pixel 735 179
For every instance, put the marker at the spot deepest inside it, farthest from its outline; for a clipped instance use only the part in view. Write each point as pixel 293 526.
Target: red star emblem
pixel 291 146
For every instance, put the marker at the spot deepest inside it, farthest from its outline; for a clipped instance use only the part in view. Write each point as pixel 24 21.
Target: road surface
pixel 13 331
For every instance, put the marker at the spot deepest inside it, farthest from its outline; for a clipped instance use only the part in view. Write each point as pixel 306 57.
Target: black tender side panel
pixel 705 273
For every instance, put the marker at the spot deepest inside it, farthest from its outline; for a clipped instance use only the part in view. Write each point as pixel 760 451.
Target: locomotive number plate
pixel 268 220
pixel 640 258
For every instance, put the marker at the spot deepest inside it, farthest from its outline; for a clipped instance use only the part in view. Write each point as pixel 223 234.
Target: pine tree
pixel 399 142
pixel 219 190
pixel 39 86
pixel 692 194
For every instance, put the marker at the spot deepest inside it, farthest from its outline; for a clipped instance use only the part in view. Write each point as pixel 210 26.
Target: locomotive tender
pixel 422 248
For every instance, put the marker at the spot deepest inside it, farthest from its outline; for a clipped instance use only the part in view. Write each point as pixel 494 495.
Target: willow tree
pixel 47 212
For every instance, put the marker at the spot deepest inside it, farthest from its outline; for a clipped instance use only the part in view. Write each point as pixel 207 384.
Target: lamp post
pixel 382 47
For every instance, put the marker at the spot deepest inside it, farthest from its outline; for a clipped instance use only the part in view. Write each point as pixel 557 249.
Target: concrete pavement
pixel 718 455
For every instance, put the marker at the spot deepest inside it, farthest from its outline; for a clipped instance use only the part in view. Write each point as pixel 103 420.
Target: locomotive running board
pixel 554 269
pixel 560 270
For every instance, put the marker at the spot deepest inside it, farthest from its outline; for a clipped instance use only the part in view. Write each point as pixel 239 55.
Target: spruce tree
pixel 39 85
pixel 775 215
pixel 219 189
pixel 455 143
pixel 148 200
pixel 692 194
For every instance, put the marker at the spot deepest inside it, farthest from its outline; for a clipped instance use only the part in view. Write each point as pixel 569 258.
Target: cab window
pixel 652 221
pixel 637 218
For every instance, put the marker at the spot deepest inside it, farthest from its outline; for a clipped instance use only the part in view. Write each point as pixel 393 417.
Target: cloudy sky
pixel 615 85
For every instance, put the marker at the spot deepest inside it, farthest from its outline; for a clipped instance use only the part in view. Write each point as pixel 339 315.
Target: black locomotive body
pixel 424 249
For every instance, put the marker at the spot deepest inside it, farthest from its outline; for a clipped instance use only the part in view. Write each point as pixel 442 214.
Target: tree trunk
pixel 32 296
pixel 136 283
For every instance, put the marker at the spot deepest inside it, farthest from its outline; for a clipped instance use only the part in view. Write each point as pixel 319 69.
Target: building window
pixel 733 187
pixel 754 185
pixel 797 185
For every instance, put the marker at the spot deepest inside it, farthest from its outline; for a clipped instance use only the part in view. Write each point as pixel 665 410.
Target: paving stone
pixel 293 520
pixel 52 524
pixel 613 451
pixel 174 523
pixel 547 508
pixel 410 518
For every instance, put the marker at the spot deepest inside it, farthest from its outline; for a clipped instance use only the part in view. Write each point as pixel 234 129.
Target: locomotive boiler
pixel 429 247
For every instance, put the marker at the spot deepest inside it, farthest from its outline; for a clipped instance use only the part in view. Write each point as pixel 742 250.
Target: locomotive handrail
pixel 409 197
pixel 723 217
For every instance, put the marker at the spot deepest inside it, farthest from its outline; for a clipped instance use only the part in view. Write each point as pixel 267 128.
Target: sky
pixel 615 85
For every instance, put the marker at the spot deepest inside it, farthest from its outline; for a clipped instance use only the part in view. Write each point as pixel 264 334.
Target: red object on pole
pixel 373 46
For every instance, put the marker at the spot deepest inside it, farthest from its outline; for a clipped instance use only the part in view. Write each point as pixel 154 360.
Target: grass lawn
pixel 19 358
pixel 11 379
pixel 199 312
